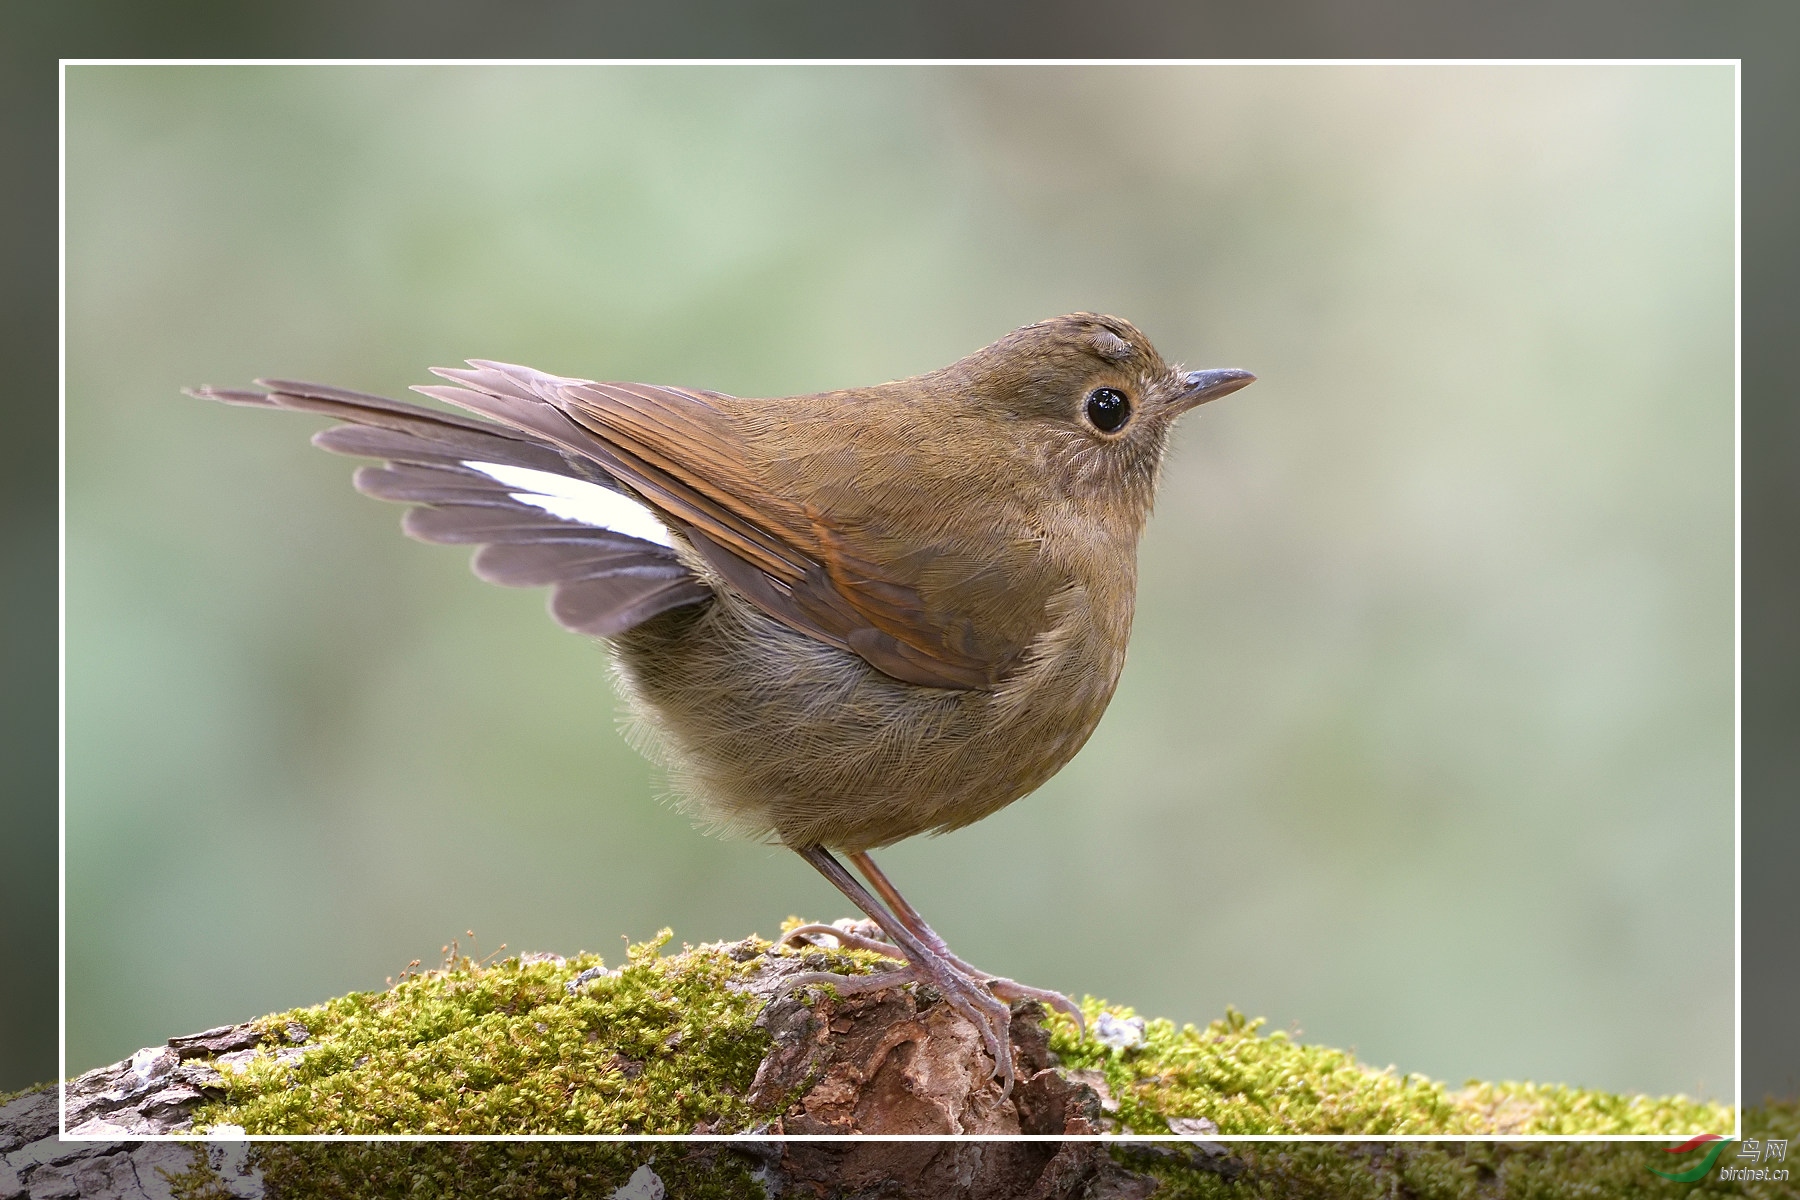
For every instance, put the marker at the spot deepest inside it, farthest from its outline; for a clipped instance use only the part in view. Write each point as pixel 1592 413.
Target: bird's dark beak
pixel 1200 386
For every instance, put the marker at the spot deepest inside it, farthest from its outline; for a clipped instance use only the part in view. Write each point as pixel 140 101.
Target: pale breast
pixel 768 733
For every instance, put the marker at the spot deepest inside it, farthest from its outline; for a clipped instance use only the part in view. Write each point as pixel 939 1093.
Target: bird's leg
pixel 968 997
pixel 1006 989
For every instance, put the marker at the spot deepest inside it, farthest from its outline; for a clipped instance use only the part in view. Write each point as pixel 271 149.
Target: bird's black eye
pixel 1108 409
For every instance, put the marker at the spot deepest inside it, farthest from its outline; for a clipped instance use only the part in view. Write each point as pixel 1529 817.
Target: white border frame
pixel 64 64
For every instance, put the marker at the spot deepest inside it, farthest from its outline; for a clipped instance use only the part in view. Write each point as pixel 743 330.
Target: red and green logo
pixel 1705 1165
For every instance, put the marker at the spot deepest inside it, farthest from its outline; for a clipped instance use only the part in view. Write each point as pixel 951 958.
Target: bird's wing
pixel 531 497
pixel 679 452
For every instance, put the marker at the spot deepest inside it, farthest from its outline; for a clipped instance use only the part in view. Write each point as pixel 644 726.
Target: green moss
pixel 518 1171
pixel 1246 1171
pixel 1454 1170
pixel 659 1047
pixel 8 1097
pixel 663 1046
pixel 1244 1082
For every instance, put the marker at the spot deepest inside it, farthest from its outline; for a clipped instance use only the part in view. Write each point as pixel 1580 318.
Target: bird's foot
pixel 847 985
pixel 1012 992
pixel 1009 990
pixel 908 916
pixel 971 995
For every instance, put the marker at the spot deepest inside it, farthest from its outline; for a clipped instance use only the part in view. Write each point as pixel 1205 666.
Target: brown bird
pixel 839 619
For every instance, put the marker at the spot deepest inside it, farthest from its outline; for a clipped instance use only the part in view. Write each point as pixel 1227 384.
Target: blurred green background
pixel 1425 742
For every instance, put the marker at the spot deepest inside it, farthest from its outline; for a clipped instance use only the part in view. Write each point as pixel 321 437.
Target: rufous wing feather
pixel 681 453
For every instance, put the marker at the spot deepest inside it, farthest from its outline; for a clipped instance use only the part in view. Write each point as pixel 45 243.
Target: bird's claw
pixel 972 999
pixel 1013 991
pixel 848 985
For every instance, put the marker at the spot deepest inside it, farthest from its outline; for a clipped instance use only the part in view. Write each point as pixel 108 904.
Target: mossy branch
pixel 705 1040
pixel 672 1044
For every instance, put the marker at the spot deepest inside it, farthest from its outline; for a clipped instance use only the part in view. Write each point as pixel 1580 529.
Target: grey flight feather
pixel 604 582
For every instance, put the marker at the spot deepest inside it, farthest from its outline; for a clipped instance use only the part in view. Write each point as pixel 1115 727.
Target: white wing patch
pixel 578 500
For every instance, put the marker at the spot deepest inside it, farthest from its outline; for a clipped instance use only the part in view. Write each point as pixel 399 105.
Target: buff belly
pixel 771 734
